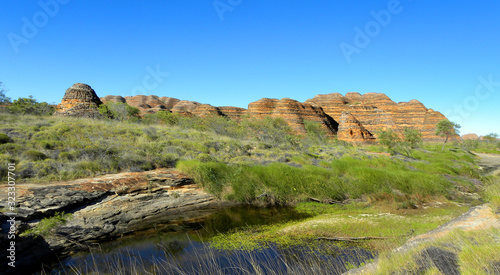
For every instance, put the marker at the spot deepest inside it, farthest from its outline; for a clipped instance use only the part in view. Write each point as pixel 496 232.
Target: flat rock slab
pixel 104 208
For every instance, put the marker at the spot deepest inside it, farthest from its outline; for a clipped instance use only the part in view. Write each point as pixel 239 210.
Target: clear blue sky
pixel 233 52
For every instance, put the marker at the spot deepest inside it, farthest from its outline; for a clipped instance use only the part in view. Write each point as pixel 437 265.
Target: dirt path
pixel 489 163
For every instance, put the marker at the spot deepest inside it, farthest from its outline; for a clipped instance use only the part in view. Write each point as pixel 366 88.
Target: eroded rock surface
pixel 104 208
pixel 80 100
pixel 376 111
pixel 368 113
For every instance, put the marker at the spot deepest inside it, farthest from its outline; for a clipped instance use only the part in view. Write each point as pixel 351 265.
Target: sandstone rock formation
pixel 113 98
pixel 376 111
pixel 471 136
pixel 185 107
pixel 80 100
pixel 235 113
pixel 294 113
pixel 354 116
pixel 351 129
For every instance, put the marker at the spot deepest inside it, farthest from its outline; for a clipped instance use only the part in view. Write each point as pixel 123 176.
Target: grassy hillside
pixel 374 191
pixel 246 161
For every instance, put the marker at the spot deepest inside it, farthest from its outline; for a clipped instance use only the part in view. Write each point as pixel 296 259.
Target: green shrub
pixel 210 175
pixel 89 166
pixel 492 192
pixel 34 155
pixel 4 138
pixel 119 111
pixel 204 157
pixel 11 148
pixel 315 131
pixel 67 156
pixel 45 168
pixel 168 117
pixel 30 106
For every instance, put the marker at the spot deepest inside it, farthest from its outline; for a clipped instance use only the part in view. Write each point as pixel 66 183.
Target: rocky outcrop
pixel 235 113
pixel 185 107
pixel 105 207
pixel 364 115
pixel 80 100
pixel 470 137
pixel 146 104
pixel 113 98
pixel 294 113
pixel 376 111
pixel 169 102
pixel 351 129
pixel 203 110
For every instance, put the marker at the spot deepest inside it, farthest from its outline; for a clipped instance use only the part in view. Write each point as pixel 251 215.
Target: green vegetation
pixel 385 190
pixel 25 106
pixel 489 144
pixel 352 220
pixel 346 177
pixel 119 111
pixel 477 253
pixel 492 191
pixel 447 129
pixel 62 148
pixel 411 139
pixel 45 226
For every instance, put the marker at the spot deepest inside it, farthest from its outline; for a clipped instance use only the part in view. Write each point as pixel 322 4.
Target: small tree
pixel 491 136
pixel 315 132
pixel 119 111
pixel 413 137
pixel 447 129
pixel 3 98
pixel 388 138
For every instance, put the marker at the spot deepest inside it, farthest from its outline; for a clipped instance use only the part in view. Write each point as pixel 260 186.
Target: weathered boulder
pixel 80 100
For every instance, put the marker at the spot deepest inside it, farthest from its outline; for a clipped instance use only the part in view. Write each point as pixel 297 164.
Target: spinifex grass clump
pixel 492 191
pixel 346 177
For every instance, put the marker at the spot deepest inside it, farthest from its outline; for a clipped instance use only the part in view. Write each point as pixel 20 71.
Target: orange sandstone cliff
pixel 352 117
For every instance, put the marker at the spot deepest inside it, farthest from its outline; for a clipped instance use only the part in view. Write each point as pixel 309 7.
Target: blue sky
pixel 446 54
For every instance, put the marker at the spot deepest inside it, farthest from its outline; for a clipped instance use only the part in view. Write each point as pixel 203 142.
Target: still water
pixel 184 248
